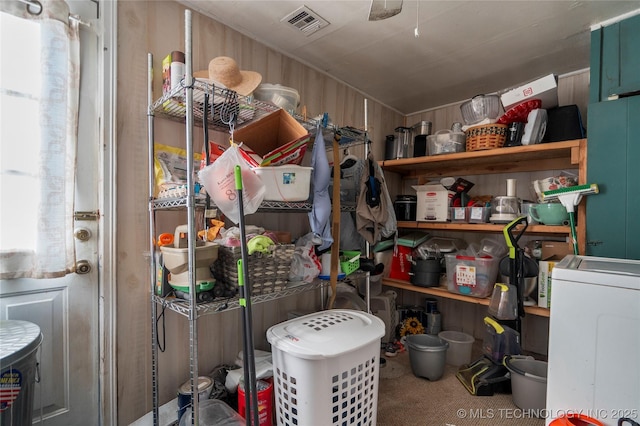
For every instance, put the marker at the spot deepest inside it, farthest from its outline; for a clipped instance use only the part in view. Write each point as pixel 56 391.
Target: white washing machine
pixel 594 339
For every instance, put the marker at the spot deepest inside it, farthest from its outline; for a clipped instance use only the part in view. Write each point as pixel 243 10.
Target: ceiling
pixel 463 48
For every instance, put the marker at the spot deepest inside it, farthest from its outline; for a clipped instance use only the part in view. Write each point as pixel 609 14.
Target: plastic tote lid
pixel 17 340
pixel 326 334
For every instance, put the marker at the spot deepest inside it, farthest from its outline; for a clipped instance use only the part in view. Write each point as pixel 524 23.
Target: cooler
pixel 19 342
pixel 326 368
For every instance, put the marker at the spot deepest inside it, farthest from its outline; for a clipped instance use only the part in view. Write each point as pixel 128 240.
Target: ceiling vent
pixel 305 20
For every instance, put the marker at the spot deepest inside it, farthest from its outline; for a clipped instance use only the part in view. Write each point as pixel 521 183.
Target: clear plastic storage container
pixel 284 97
pixel 471 276
pixel 446 142
pixel 499 340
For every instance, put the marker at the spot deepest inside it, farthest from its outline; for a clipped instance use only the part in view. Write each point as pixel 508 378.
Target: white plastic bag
pixel 219 181
pixel 305 265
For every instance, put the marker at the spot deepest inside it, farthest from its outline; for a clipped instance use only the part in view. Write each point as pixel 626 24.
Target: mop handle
pixel 242 300
pixel 237 175
pixel 245 359
pixel 251 393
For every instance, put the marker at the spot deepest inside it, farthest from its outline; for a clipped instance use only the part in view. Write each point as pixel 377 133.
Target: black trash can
pixel 19 343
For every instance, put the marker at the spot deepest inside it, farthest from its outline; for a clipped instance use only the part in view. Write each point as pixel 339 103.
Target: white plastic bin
pixel 285 183
pixel 326 368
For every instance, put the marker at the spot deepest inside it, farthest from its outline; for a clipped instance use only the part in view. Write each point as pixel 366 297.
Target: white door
pixel 67 309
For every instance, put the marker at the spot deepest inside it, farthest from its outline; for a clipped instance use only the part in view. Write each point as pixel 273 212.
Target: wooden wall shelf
pixel 529 158
pixel 483 227
pixel 444 293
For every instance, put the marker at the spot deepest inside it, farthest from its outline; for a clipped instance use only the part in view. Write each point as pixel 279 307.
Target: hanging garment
pixel 320 214
pixel 350 238
pixel 350 174
pixel 351 170
pixel 375 217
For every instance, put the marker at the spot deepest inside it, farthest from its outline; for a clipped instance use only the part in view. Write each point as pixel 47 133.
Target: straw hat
pixel 225 70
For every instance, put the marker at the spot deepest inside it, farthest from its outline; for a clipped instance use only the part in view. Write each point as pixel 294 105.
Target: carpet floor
pixel 404 399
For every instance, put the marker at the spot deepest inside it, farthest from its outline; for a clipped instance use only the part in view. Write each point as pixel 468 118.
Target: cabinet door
pixel 613 158
pixel 615 59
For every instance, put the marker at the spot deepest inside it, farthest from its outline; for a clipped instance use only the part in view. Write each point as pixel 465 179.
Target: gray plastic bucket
pixel 427 354
pixel 19 342
pixel 528 382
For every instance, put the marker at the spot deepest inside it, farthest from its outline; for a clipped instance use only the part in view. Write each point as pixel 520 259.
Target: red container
pixel 265 402
pixel 401 263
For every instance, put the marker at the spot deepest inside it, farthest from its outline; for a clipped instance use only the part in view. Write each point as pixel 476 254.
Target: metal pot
pixel 405 207
pixel 426 272
pixel 422 128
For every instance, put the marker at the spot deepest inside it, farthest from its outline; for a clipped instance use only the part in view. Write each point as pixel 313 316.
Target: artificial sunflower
pixel 411 325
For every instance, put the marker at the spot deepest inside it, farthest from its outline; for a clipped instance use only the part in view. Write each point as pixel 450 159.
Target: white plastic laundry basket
pixel 326 368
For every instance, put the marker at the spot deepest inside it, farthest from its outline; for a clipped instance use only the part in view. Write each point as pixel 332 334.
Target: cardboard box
pixel 432 203
pixel 268 135
pixel 551 252
pixel 544 282
pixel 545 89
pixel 555 250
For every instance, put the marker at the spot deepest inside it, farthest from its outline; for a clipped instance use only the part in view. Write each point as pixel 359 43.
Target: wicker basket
pixel 268 272
pixel 486 136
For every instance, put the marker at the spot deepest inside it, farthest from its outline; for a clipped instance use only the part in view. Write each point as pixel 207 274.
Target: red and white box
pixel 545 89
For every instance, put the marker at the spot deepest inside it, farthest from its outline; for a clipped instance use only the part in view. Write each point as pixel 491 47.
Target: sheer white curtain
pixel 39 90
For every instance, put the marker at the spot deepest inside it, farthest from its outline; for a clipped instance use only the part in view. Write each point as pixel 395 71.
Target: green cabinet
pixel 615 60
pixel 613 162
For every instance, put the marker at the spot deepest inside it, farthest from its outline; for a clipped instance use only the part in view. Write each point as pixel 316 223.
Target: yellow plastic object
pixel 489 321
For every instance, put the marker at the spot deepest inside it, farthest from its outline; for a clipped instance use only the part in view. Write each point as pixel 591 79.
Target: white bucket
pixel 460 347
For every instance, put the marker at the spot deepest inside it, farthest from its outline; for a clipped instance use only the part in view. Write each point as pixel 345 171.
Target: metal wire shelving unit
pixel 186 105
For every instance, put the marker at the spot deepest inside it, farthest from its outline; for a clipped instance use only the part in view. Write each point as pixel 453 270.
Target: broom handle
pixel 574 237
pixel 244 285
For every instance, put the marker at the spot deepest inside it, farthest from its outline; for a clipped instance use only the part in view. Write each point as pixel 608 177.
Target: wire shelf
pixel 180 203
pixel 247 108
pixel 182 306
pixel 348 136
pixel 222 102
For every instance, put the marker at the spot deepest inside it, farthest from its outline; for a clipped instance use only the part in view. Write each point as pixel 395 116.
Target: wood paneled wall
pixel 157 27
